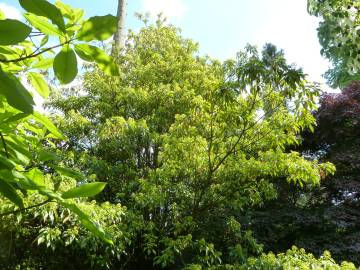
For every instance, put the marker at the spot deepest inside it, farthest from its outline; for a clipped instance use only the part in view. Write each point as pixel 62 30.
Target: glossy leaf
pixel 45 9
pixel 85 190
pixel 15 93
pixel 97 28
pixel 13 32
pixel 37 80
pixel 65 65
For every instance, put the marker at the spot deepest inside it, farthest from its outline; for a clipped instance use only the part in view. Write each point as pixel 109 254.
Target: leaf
pixel 45 9
pixel 91 53
pixel 43 25
pixel 9 192
pixel 69 172
pixel 15 93
pixel 85 190
pixel 6 164
pixel 37 80
pixel 44 40
pixel 88 223
pixel 48 125
pixel 65 65
pixel 98 28
pixel 44 63
pixel 36 176
pixel 13 31
pixel 45 155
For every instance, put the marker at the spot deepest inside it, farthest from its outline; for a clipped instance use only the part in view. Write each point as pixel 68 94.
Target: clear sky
pixel 224 27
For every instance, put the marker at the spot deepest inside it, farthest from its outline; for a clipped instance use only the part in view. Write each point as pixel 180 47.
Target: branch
pixel 26 208
pixel 34 54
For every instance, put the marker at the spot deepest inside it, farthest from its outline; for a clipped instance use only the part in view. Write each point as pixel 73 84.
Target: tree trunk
pixel 119 37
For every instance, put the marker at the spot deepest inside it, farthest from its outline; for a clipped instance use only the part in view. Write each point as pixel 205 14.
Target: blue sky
pixel 224 27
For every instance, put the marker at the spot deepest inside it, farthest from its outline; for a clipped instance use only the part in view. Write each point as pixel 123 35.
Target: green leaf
pixel 43 25
pixel 98 28
pixel 48 125
pixel 12 32
pixel 6 163
pixel 85 190
pixel 65 65
pixel 46 155
pixel 44 63
pixel 9 192
pixel 69 172
pixel 45 9
pixel 44 40
pixel 37 177
pixel 91 53
pixel 15 93
pixel 37 80
pixel 88 223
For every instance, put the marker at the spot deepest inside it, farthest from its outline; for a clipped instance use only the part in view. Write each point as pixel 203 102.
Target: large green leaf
pixel 85 190
pixel 37 80
pixel 49 125
pixel 12 32
pixel 88 223
pixel 65 65
pixel 98 28
pixel 91 53
pixel 15 93
pixel 43 25
pixel 46 9
pixel 9 192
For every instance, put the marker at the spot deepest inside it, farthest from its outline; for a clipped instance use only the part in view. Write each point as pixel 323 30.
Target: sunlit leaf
pixel 91 53
pixel 97 28
pixel 48 125
pixel 43 25
pixel 45 9
pixel 38 82
pixel 85 190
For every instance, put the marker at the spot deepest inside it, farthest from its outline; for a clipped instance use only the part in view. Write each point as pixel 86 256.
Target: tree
pixel 339 37
pixel 325 217
pixel 189 144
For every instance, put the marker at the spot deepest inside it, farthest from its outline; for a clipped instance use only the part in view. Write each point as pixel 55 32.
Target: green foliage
pixel 189 144
pixel 339 37
pixel 29 139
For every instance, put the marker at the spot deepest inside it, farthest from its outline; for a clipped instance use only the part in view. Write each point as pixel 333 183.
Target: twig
pixel 26 208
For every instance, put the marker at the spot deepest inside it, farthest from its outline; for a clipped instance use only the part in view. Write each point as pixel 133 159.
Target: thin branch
pixel 34 54
pixel 26 208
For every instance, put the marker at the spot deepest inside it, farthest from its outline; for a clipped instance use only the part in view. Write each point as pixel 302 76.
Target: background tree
pixel 339 37
pixel 189 144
